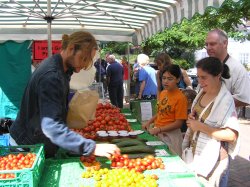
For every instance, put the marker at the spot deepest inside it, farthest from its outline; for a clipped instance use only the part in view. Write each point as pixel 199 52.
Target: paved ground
pixel 240 166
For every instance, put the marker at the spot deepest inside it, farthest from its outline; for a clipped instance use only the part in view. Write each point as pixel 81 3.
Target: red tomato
pixel 143 168
pixel 162 166
pixel 119 164
pixel 126 162
pixel 113 164
pixel 154 177
pixel 130 165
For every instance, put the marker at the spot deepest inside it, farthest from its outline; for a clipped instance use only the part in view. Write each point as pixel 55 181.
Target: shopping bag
pixel 82 108
pixel 187 155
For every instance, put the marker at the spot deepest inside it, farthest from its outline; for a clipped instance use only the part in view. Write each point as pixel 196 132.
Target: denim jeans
pixel 225 175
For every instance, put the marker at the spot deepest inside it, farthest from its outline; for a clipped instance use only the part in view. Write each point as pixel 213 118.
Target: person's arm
pixel 146 125
pixel 239 103
pixel 240 86
pixel 50 92
pixel 108 76
pixel 220 134
pixel 142 86
pixel 142 78
pixel 108 80
pixel 172 126
pixel 158 83
pixel 106 150
pixel 186 79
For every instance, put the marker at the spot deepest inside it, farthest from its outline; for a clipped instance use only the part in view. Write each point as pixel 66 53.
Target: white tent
pixel 108 20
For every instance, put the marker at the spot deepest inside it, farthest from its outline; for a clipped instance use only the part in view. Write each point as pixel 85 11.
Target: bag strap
pixel 196 134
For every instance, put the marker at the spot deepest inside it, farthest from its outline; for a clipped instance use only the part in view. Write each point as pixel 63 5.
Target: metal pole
pixel 49 20
pixel 100 69
pixel 128 74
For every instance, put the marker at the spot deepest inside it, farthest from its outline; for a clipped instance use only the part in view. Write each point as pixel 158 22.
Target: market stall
pixel 68 170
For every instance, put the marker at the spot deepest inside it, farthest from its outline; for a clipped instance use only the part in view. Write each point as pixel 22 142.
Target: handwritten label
pixel 127 114
pixel 146 111
pixel 155 143
pixel 161 152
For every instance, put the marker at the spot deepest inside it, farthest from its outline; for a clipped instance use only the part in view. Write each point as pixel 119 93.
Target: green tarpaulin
pixel 15 71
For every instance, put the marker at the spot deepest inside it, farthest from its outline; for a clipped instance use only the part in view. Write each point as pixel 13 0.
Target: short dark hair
pixel 214 66
pixel 173 69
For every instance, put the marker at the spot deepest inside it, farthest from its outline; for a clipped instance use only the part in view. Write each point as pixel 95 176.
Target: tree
pixel 181 40
pixel 190 35
pixel 117 47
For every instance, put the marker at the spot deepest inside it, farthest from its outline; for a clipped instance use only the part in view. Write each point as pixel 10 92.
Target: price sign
pixel 146 111
pixel 40 49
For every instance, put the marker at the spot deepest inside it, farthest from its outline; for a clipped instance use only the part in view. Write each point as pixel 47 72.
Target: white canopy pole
pixel 129 81
pixel 49 20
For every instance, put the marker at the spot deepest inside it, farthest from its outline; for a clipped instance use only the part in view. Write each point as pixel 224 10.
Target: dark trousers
pixel 116 95
pixel 103 80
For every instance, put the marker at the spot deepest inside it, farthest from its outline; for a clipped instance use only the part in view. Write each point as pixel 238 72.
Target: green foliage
pixel 182 63
pixel 185 38
pixel 116 47
pixel 181 40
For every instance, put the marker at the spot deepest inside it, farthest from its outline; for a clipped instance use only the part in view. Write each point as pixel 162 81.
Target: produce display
pixel 120 177
pixel 107 118
pixel 149 162
pixel 15 162
pixel 90 162
pixel 136 148
pixel 140 164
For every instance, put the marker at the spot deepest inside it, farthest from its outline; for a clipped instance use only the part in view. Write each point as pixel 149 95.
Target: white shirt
pixel 239 82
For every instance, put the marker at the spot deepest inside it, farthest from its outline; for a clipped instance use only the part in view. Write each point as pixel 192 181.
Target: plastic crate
pixel 29 177
pixel 4 139
pixel 98 87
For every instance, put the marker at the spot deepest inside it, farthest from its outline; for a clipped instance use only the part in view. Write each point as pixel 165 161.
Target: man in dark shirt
pixel 43 110
pixel 100 75
pixel 115 81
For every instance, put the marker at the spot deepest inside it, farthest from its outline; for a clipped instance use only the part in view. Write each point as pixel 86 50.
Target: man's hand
pixel 106 150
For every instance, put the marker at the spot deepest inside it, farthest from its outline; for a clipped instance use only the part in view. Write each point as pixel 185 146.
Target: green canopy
pixel 15 71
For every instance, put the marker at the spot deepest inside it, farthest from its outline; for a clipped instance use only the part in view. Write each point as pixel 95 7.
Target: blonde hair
pixel 143 59
pixel 81 40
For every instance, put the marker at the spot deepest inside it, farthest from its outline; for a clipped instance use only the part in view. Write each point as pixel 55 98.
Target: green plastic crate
pixel 29 177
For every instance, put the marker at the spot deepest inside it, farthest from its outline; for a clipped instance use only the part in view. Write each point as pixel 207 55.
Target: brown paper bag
pixel 82 108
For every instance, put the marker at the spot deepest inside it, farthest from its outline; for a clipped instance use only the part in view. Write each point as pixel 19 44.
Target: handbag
pixel 187 153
